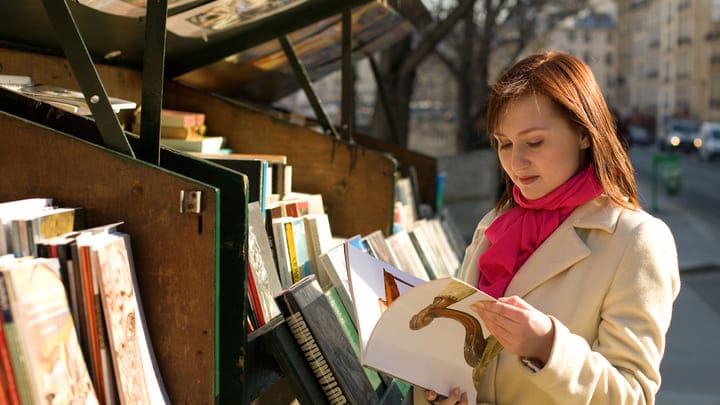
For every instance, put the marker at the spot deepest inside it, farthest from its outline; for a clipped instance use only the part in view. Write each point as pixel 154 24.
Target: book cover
pixel 261 262
pixel 56 368
pixel 401 319
pixel 137 376
pixel 329 353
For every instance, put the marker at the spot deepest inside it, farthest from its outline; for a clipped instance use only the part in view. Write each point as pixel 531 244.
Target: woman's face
pixel 538 147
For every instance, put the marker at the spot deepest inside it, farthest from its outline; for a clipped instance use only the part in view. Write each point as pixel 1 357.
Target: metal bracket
pixel 77 54
pixel 306 84
pixel 190 202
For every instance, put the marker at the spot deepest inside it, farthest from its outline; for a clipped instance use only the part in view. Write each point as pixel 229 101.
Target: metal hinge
pixel 190 201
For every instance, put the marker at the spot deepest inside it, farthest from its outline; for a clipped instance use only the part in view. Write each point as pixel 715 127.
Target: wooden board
pixel 357 183
pixel 174 254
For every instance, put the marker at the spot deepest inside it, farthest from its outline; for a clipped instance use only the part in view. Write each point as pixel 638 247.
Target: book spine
pixel 292 252
pixel 20 370
pixel 315 358
pixel 92 332
pixel 254 298
pixel 281 254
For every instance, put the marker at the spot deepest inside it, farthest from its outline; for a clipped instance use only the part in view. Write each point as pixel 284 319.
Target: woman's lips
pixel 527 179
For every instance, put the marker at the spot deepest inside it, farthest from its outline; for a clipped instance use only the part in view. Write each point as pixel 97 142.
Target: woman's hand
pixel 518 326
pixel 454 398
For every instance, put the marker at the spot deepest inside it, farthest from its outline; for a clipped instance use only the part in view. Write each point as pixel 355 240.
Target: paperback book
pixel 401 320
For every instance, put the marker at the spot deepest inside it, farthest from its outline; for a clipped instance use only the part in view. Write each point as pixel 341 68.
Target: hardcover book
pixel 315 327
pixel 401 319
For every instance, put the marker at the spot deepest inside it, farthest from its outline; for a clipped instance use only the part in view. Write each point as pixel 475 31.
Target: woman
pixel 585 279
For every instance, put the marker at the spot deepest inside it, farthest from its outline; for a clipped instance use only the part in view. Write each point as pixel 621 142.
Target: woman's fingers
pixel 455 397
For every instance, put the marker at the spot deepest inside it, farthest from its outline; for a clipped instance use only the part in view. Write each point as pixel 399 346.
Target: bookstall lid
pixel 263 74
pixel 224 46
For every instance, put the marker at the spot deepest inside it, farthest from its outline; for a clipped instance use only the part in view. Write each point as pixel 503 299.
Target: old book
pixel 204 144
pixel 332 270
pixel 441 241
pixel 15 209
pixel 282 255
pixel 319 239
pixel 175 118
pixel 46 333
pixel 298 247
pixel 69 100
pixel 408 259
pixel 327 350
pixel 137 376
pixel 348 327
pixel 33 227
pixel 401 319
pixel 379 247
pixel 427 250
pixel 262 264
pixel 8 343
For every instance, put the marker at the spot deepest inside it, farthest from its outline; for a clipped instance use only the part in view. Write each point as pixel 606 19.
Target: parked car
pixel 638 135
pixel 710 138
pixel 680 134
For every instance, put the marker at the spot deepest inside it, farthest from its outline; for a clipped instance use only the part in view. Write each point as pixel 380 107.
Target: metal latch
pixel 190 201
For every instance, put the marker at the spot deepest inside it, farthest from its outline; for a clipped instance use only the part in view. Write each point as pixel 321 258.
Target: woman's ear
pixel 584 139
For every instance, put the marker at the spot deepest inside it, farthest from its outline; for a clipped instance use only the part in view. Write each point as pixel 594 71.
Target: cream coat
pixel 607 277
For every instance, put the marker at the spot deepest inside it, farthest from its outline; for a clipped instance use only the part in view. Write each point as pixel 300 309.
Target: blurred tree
pixel 480 38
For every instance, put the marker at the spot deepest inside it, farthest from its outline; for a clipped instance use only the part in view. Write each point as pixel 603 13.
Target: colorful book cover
pixel 57 370
pixel 136 373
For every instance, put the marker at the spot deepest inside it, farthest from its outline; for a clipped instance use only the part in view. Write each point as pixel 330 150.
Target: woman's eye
pixel 534 144
pixel 505 145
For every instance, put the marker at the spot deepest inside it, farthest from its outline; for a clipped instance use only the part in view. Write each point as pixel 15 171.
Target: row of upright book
pixel 314 295
pixel 73 328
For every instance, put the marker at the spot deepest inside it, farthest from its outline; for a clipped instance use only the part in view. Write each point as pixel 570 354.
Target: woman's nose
pixel 519 160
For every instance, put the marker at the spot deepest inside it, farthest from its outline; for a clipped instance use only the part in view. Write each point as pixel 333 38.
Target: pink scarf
pixel 516 234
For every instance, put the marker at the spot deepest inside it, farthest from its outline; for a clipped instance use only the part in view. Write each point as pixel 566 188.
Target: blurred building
pixel 665 58
pixel 591 36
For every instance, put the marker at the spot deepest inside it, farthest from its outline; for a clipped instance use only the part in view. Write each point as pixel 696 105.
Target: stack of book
pixel 183 130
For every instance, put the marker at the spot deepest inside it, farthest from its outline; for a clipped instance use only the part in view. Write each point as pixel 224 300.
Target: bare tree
pixel 478 35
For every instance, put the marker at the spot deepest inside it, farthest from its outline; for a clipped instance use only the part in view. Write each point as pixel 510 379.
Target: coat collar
pixel 564 247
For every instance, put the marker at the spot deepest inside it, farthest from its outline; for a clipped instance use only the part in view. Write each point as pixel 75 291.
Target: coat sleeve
pixel 622 366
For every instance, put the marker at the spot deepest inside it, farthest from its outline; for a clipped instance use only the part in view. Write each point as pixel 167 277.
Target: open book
pixel 422 332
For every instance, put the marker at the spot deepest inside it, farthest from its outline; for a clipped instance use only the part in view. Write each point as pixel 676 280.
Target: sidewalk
pixel 690 366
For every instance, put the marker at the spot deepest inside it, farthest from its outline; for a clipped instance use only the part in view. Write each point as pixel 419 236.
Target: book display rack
pixel 187 216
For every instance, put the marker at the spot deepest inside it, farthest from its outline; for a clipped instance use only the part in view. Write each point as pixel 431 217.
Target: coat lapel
pixel 564 247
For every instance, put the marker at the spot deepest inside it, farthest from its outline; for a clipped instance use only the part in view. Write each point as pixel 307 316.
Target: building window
pixel 609 37
pixel 571 35
pixel 609 58
pixel 586 57
pixel 586 36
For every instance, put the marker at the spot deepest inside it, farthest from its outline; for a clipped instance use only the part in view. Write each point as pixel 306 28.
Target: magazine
pixel 422 332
